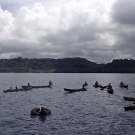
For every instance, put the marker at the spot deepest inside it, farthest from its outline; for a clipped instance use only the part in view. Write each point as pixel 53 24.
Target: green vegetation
pixel 65 65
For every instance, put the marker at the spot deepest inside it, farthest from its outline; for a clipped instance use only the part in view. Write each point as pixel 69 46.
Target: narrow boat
pixel 102 87
pixel 110 91
pixel 123 86
pixel 16 90
pixel 75 90
pixel 47 86
pixel 96 86
pixel 130 107
pixel 129 98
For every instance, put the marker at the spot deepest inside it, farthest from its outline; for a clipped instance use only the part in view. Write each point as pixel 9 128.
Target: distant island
pixel 64 65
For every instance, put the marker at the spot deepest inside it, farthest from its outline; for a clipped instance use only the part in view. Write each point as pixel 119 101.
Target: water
pixel 92 112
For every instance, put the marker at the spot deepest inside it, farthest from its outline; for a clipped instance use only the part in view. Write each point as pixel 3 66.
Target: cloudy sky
pixel 98 30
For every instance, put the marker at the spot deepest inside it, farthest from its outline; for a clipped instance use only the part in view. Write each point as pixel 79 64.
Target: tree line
pixel 65 65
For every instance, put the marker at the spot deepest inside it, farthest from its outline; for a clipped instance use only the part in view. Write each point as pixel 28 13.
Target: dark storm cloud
pixel 72 36
pixel 92 29
pixel 123 19
pixel 124 11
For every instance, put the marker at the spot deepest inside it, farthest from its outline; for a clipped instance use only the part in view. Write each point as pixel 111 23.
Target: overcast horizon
pixel 99 31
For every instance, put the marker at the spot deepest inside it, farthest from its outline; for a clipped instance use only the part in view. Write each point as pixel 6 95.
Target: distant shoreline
pixel 65 65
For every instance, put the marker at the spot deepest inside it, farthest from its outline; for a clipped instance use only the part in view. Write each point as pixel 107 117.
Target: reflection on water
pixel 42 119
pixel 81 113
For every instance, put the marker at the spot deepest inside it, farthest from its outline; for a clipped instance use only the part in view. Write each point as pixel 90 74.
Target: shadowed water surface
pixel 82 113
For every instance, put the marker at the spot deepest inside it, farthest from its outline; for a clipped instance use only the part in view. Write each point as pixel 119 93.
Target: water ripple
pixel 91 112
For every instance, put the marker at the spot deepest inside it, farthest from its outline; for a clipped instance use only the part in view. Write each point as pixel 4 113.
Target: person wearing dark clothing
pixel 85 84
pixel 109 86
pixel 42 111
pixel 96 83
pixel 16 88
pixel 50 83
pixel 121 84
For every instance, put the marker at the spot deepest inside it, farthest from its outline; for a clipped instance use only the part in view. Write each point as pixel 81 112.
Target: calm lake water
pixel 93 112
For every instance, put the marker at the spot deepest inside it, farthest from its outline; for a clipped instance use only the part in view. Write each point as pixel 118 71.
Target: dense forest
pixel 65 65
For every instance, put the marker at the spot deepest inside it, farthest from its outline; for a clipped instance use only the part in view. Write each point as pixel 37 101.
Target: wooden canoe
pixel 129 98
pixel 102 87
pixel 123 86
pixel 16 90
pixel 75 90
pixel 130 107
pixel 47 86
pixel 110 91
pixel 96 86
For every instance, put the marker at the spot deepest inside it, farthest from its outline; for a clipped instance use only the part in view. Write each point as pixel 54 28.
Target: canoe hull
pixel 47 86
pixel 130 107
pixel 103 87
pixel 129 98
pixel 125 86
pixel 110 91
pixel 96 86
pixel 75 90
pixel 16 90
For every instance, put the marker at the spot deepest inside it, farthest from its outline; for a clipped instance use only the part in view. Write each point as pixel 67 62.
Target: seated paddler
pixel 42 111
pixel 96 83
pixel 121 83
pixel 109 86
pixel 85 84
pixel 50 83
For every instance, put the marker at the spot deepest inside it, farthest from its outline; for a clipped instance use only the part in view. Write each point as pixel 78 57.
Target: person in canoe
pixel 28 84
pixel 96 83
pixel 42 111
pixel 16 88
pixel 109 86
pixel 121 83
pixel 85 84
pixel 50 83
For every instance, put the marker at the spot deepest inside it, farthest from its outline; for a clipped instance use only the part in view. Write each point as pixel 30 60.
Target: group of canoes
pixel 108 87
pixel 130 106
pixel 110 90
pixel 27 87
pixel 97 85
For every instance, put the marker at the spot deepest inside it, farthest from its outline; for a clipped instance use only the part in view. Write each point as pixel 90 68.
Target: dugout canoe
pixel 123 86
pixel 16 90
pixel 110 91
pixel 102 87
pixel 130 107
pixel 47 86
pixel 96 86
pixel 75 90
pixel 129 98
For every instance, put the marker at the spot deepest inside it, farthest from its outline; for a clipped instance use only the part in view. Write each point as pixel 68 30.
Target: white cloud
pixel 77 28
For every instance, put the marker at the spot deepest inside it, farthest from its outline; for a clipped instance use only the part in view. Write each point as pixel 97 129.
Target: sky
pixel 98 30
